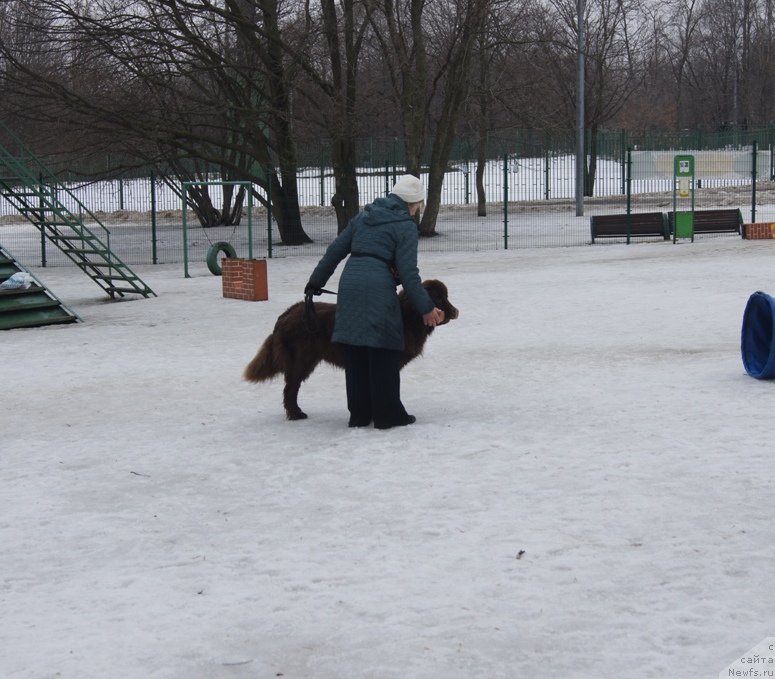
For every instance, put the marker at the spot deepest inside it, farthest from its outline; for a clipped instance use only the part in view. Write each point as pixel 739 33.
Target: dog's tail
pixel 264 365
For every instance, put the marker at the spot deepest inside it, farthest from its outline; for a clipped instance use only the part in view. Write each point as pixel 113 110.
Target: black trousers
pixel 373 379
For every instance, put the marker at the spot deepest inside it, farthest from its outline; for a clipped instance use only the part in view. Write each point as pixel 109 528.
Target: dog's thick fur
pixel 295 350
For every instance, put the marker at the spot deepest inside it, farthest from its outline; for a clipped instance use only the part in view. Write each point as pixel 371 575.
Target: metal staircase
pixel 34 191
pixel 28 307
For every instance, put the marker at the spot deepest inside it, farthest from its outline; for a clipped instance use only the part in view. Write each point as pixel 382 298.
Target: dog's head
pixel 438 293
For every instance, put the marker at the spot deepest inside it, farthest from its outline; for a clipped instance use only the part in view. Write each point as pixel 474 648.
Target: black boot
pixel 409 419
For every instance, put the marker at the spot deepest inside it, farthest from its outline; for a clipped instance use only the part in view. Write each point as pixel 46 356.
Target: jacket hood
pixel 385 210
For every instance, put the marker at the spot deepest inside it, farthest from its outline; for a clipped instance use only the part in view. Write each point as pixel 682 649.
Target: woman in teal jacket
pixel 382 244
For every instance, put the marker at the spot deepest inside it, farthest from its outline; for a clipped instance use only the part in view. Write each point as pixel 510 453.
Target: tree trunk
pixel 285 197
pixel 285 208
pixel 416 91
pixel 441 144
pixel 203 207
pixel 481 198
pixel 433 202
pixel 346 200
pixel 481 160
pixel 232 212
pixel 591 170
pixel 483 99
pixel 344 36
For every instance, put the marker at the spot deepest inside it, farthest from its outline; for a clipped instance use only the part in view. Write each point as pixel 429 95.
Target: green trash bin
pixel 684 225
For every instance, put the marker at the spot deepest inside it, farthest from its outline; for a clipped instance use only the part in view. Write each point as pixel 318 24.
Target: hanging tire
pixel 213 260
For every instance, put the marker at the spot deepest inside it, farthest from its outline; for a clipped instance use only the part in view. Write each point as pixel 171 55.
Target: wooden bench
pixel 714 221
pixel 635 224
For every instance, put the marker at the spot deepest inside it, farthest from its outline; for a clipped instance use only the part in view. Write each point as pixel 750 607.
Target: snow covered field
pixel 587 491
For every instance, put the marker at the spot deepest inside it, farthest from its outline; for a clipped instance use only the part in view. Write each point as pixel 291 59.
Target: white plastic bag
pixel 21 279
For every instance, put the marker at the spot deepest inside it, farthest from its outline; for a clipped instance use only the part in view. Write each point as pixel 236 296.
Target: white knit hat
pixel 409 188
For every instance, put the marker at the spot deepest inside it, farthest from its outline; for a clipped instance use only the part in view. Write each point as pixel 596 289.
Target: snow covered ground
pixel 587 491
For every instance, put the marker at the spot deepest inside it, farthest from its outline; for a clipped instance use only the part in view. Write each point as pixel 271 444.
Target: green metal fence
pixel 529 184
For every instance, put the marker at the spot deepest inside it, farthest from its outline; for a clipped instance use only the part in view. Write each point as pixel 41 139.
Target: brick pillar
pixel 759 231
pixel 245 279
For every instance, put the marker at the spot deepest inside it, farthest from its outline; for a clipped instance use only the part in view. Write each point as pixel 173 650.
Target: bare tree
pixel 684 16
pixel 494 102
pixel 202 80
pixel 427 47
pixel 327 52
pixel 243 85
pixel 616 40
pixel 714 65
pixel 763 64
pixel 733 55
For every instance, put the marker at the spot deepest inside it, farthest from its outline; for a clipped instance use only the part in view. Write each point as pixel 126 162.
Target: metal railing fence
pixel 528 188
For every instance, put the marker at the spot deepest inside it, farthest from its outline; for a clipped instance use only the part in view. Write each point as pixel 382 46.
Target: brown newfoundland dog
pixel 296 345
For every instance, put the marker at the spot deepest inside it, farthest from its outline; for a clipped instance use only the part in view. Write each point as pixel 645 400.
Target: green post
pixel 683 191
pixel 250 221
pixel 768 144
pixel 506 202
pixel 623 146
pixel 42 205
pixel 120 193
pixel 628 180
pixel 468 165
pixel 185 229
pixel 387 177
pixel 395 160
pixel 629 193
pixel 154 252
pixel 269 214
pixel 753 177
pixel 546 175
pixel 772 157
pixel 322 180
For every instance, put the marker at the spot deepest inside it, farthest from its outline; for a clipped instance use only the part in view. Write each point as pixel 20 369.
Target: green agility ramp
pixel 26 307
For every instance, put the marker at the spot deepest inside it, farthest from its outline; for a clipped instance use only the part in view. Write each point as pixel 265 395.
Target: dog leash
pixel 310 317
